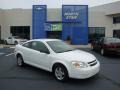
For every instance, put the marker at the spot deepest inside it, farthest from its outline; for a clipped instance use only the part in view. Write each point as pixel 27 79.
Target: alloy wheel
pixel 59 73
pixel 19 61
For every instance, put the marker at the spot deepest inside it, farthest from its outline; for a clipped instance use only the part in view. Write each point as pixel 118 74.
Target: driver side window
pixel 39 46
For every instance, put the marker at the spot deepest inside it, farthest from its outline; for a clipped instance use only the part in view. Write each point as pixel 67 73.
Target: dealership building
pixel 79 23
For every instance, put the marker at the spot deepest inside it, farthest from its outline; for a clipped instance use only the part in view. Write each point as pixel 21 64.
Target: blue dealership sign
pixel 75 23
pixel 38 20
pixel 73 13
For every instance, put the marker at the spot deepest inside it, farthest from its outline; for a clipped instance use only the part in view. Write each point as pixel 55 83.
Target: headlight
pixel 77 64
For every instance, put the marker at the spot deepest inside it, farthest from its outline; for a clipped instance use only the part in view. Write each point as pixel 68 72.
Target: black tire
pixel 60 72
pixel 15 42
pixel 20 61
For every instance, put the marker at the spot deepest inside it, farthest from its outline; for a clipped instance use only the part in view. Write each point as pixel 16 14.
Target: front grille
pixel 92 63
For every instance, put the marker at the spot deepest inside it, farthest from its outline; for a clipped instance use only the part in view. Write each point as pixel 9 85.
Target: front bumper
pixel 84 73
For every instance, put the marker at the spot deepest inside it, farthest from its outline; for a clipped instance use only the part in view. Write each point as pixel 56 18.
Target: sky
pixel 27 4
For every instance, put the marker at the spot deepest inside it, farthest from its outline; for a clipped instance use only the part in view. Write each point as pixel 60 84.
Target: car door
pixel 26 50
pixel 40 55
pixel 12 40
pixel 9 40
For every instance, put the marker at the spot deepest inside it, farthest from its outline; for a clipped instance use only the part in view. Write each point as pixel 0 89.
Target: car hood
pixel 76 55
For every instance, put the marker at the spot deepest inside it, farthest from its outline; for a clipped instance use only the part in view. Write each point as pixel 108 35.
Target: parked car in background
pixel 14 40
pixel 106 45
pixel 57 57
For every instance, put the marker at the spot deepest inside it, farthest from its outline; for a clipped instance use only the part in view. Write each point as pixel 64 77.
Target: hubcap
pixel 59 73
pixel 19 61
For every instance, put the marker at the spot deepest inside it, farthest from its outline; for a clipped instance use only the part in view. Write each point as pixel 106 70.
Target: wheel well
pixel 56 64
pixel 18 55
pixel 15 41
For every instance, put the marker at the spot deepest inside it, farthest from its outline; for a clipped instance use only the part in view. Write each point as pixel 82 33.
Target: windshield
pixel 59 46
pixel 16 37
pixel 112 40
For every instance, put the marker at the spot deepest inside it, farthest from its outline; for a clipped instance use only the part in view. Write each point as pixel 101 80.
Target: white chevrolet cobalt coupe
pixel 57 57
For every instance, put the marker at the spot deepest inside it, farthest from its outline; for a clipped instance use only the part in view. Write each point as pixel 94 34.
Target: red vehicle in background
pixel 106 45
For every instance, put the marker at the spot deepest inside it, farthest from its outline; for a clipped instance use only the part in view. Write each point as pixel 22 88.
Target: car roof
pixel 45 40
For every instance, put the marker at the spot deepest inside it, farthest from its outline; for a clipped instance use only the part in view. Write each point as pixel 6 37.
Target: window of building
pixel 116 33
pixel 21 31
pixel 116 19
pixel 96 32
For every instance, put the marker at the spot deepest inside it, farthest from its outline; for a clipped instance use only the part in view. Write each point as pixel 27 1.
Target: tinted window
pixel 112 40
pixel 16 37
pixel 116 19
pixel 96 32
pixel 39 46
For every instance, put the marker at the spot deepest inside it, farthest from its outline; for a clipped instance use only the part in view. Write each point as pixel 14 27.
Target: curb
pixel 6 46
pixel 82 46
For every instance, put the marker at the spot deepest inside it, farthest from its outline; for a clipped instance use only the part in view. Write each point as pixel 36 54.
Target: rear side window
pixel 28 45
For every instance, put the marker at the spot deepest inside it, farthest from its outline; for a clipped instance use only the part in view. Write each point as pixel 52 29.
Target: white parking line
pixel 9 54
pixel 2 53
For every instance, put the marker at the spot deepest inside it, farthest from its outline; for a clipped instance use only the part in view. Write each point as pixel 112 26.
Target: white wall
pixel 16 17
pixel 54 14
pixel 1 21
pixel 1 16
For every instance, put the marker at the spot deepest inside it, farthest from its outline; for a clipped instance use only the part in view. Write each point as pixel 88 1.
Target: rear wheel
pixel 20 61
pixel 60 72
pixel 15 42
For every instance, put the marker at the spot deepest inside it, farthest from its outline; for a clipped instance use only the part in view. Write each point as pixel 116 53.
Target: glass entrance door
pixel 54 34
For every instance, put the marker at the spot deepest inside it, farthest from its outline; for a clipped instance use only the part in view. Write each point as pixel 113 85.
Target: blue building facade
pixel 74 23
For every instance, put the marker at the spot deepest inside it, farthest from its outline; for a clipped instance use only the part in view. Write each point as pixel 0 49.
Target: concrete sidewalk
pixel 82 46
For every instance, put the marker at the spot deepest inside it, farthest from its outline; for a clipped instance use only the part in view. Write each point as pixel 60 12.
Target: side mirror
pixel 46 52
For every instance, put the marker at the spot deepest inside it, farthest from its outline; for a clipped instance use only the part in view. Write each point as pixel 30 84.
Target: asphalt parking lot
pixel 13 77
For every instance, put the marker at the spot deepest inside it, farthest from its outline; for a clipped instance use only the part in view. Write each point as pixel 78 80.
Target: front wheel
pixel 60 73
pixel 20 61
